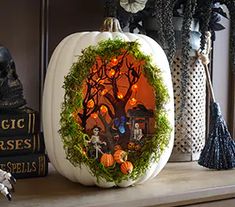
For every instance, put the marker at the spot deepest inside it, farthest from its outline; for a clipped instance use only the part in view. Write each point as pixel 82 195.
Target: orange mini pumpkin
pixel 107 160
pixel 137 147
pixel 117 147
pixel 120 156
pixel 131 146
pixel 126 167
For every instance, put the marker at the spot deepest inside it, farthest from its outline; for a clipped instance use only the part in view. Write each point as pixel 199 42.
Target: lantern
pixel 114 61
pixel 133 101
pixel 120 95
pixel 134 87
pixel 103 109
pixel 90 104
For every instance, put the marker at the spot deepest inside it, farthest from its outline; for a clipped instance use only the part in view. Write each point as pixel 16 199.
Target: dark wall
pixel 19 32
pixel 70 16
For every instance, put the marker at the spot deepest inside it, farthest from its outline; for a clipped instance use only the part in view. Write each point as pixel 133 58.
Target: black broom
pixel 219 150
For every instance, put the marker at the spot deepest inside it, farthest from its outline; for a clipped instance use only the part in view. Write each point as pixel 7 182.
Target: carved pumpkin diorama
pixel 117 101
pixel 115 126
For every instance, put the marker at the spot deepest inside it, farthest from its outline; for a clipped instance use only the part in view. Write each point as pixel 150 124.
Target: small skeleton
pixel 137 132
pixel 96 142
pixel 6 183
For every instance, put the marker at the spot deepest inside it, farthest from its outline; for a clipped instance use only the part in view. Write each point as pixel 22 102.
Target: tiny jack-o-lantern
pixel 109 94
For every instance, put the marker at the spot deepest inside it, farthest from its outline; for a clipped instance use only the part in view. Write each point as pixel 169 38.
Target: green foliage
pixel 73 137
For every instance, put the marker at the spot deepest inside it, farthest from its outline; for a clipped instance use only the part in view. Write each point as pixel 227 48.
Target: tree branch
pixel 109 111
pixel 110 98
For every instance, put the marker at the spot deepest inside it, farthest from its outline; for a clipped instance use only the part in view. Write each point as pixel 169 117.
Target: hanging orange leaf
pixel 112 72
pixel 94 115
pixel 103 109
pixel 90 104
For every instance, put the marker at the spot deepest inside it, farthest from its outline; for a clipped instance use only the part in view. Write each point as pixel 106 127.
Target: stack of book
pixel 22 148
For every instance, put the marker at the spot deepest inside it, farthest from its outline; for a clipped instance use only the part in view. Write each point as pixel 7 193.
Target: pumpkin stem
pixel 111 24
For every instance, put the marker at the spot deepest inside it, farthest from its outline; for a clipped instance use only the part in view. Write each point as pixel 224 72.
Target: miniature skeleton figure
pixel 96 142
pixel 6 183
pixel 137 132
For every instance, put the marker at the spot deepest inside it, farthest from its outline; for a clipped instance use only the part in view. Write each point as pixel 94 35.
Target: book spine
pixel 25 166
pixel 19 123
pixel 21 144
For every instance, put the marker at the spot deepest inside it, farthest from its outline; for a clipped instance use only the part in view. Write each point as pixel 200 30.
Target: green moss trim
pixel 72 134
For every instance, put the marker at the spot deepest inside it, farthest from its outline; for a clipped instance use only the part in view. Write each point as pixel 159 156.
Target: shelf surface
pixel 177 184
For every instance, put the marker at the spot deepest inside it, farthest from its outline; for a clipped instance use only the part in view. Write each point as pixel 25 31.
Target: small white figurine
pixel 96 142
pixel 6 183
pixel 137 132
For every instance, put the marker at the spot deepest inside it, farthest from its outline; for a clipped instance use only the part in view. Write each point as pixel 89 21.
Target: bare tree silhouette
pixel 108 88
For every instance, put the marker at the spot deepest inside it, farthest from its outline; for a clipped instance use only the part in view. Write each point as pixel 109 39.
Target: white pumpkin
pixel 61 61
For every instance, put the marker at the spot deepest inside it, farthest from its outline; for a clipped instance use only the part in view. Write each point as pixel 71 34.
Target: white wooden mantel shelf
pixel 178 184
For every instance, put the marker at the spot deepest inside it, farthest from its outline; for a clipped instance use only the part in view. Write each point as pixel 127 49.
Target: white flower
pixel 133 6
